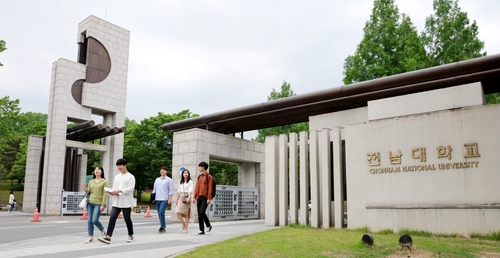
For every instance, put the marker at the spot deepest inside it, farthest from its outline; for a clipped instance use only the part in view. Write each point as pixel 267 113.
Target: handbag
pixel 83 203
pixel 185 198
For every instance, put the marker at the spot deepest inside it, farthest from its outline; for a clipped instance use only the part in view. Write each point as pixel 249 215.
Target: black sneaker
pixel 200 233
pixel 161 230
pixel 105 240
pixel 209 229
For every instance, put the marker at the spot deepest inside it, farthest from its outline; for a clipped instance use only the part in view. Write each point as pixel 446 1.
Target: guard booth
pixel 234 203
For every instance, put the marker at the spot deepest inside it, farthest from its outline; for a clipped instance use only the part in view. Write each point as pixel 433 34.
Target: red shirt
pixel 204 186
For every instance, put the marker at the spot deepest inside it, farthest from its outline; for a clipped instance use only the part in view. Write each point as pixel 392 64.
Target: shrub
pixel 17 188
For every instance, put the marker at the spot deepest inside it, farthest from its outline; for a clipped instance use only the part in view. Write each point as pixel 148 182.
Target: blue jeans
pixel 94 212
pixel 12 205
pixel 161 206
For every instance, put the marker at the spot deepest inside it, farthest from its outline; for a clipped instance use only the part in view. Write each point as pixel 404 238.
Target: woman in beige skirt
pixel 184 192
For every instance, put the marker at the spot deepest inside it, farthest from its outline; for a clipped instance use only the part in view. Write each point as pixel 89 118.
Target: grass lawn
pixel 303 241
pixel 5 192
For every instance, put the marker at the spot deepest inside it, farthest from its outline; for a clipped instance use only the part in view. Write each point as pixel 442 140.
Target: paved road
pixel 64 236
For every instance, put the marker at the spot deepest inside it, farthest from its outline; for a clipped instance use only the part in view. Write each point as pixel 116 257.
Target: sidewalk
pixel 148 243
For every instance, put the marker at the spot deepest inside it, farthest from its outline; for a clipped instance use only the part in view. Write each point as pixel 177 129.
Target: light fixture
pixel 405 241
pixel 367 240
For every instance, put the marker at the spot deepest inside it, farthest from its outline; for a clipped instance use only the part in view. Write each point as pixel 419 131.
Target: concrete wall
pixel 424 161
pixel 452 190
pixel 34 154
pixel 192 146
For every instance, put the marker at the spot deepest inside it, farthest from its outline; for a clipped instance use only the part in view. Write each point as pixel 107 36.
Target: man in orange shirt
pixel 203 196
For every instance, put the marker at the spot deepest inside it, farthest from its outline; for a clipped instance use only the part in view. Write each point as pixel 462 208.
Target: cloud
pixel 205 56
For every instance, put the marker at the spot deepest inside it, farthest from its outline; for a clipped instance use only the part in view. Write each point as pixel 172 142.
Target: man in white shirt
pixel 122 200
pixel 163 189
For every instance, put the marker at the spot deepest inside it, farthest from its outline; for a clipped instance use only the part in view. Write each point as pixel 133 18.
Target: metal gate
pixel 70 202
pixel 234 203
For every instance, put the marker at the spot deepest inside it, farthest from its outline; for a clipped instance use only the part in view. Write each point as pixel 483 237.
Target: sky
pixel 205 56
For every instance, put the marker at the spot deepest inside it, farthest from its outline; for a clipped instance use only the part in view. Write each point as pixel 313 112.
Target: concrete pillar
pixel 247 174
pixel 271 200
pixel 82 169
pixel 315 186
pixel 304 178
pixel 294 178
pixel 32 172
pixel 338 178
pixel 283 180
pixel 325 177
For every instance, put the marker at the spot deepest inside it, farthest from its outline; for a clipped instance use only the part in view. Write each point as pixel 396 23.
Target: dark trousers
pixel 126 216
pixel 201 205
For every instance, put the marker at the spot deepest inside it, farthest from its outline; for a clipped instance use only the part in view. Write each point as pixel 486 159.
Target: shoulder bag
pixel 83 203
pixel 185 198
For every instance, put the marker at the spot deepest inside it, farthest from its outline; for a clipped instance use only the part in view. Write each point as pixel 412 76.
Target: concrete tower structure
pixel 94 85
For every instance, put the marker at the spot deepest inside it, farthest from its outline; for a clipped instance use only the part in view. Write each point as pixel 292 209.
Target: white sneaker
pixel 88 241
pixel 103 233
pixel 130 239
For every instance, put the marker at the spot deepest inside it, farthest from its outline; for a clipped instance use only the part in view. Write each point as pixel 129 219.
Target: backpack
pixel 214 187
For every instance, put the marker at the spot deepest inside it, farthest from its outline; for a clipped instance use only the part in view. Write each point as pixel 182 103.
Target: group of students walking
pixel 122 199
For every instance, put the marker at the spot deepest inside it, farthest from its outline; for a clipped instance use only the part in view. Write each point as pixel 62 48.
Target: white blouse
pixel 186 188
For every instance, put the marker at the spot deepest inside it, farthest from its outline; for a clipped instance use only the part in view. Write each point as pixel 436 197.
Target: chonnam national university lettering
pixel 429 167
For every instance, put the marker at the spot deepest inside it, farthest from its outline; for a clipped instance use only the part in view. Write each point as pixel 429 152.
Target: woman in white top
pixel 184 197
pixel 12 201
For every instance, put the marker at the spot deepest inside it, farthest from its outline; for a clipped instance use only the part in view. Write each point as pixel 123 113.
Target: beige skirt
pixel 182 208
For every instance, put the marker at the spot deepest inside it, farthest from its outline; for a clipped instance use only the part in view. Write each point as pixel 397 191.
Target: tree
pixel 31 123
pixel 2 48
pixel 286 91
pixel 224 173
pixel 9 156
pixel 147 147
pixel 27 124
pixel 9 115
pixel 390 45
pixel 448 36
pixel 18 170
pixel 493 98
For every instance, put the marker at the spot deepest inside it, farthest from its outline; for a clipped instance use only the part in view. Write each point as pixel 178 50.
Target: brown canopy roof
pixel 300 107
pixel 88 131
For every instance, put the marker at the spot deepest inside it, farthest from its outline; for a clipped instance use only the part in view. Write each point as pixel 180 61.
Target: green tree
pixel 286 91
pixel 94 160
pixel 9 156
pixel 390 45
pixel 449 36
pixel 147 147
pixel 224 173
pixel 31 123
pixel 18 170
pixel 9 115
pixel 27 124
pixel 2 48
pixel 493 98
